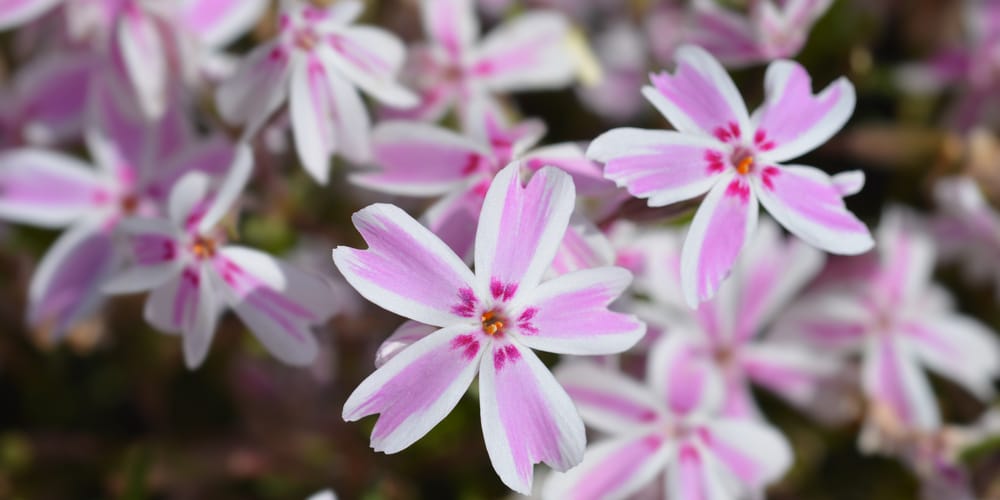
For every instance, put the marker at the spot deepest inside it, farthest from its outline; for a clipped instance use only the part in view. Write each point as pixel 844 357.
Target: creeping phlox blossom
pixel 528 53
pixel 419 159
pixel 717 344
pixel 488 322
pixel 137 164
pixel 704 456
pixel 194 275
pixel 720 150
pixel 318 61
pixel 899 321
pixel 967 229
pixel 149 42
pixel 769 31
pixel 45 102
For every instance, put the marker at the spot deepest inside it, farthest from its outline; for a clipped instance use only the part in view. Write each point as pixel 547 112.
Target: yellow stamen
pixel 203 247
pixel 743 167
pixel 491 323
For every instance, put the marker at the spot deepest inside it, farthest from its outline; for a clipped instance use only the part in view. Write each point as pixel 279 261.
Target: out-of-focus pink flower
pixel 666 427
pixel 455 68
pixel 720 344
pixel 419 159
pixel 720 150
pixel 46 102
pixel 318 61
pixel 899 321
pixel 967 229
pixel 194 276
pixel 622 52
pixel 971 66
pixel 770 30
pixel 488 322
pixel 136 166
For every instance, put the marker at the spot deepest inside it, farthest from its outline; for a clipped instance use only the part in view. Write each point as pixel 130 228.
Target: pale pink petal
pixel 721 226
pixel 527 416
pixel 406 269
pixel 571 158
pixel 370 58
pixel 726 35
pixel 906 258
pixel 452 24
pixel 663 166
pixel 694 474
pixel 893 381
pixel 608 400
pixel 214 157
pixel 849 183
pixel 155 252
pixel 756 453
pixel 50 96
pixel 420 159
pixel 957 347
pixel 277 302
pixel 792 121
pixel 47 189
pixel 406 335
pixel 196 309
pixel 700 97
pixel 144 55
pixel 218 22
pixel 454 219
pixel 353 125
pixel 14 13
pixel 836 320
pixel 569 314
pixel 257 88
pixel 313 115
pixel 119 139
pixel 793 372
pixel 583 247
pixel 611 469
pixel 806 202
pixel 229 190
pixel 187 202
pixel 530 52
pixel 66 286
pixel 681 370
pixel 520 229
pixel 417 388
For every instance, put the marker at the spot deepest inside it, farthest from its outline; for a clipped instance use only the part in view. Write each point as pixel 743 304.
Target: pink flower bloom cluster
pixel 576 248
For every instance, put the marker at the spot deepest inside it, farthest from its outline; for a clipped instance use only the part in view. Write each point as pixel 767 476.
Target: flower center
pixel 306 39
pixel 129 204
pixel 493 322
pixel 743 167
pixel 203 247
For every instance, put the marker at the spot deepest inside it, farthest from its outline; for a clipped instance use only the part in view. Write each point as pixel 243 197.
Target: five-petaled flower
pixel 489 322
pixel 194 274
pixel 704 456
pixel 317 61
pixel 719 149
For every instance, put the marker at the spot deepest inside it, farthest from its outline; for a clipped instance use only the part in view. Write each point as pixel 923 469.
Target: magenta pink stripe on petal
pixel 609 475
pixel 612 403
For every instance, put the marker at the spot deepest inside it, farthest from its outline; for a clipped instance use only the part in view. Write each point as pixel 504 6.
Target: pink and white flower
pixel 967 229
pixel 900 322
pixel 770 30
pixel 487 323
pixel 136 166
pixel 418 159
pixel 720 343
pixel 318 62
pixel 720 151
pixel 529 52
pixel 664 429
pixel 194 275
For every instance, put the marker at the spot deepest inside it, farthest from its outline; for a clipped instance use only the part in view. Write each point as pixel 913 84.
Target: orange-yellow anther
pixel 203 247
pixel 492 323
pixel 743 167
pixel 306 40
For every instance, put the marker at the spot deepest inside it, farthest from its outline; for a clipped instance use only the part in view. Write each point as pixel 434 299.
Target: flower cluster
pixel 580 250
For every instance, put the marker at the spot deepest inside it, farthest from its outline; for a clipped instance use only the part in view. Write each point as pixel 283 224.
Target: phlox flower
pixel 967 229
pixel 194 275
pixel 772 29
pixel 722 344
pixel 699 454
pixel 899 322
pixel 488 322
pixel 136 165
pixel 719 149
pixel 318 61
pixel 418 159
pixel 971 65
pixel 455 67
pixel 149 42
